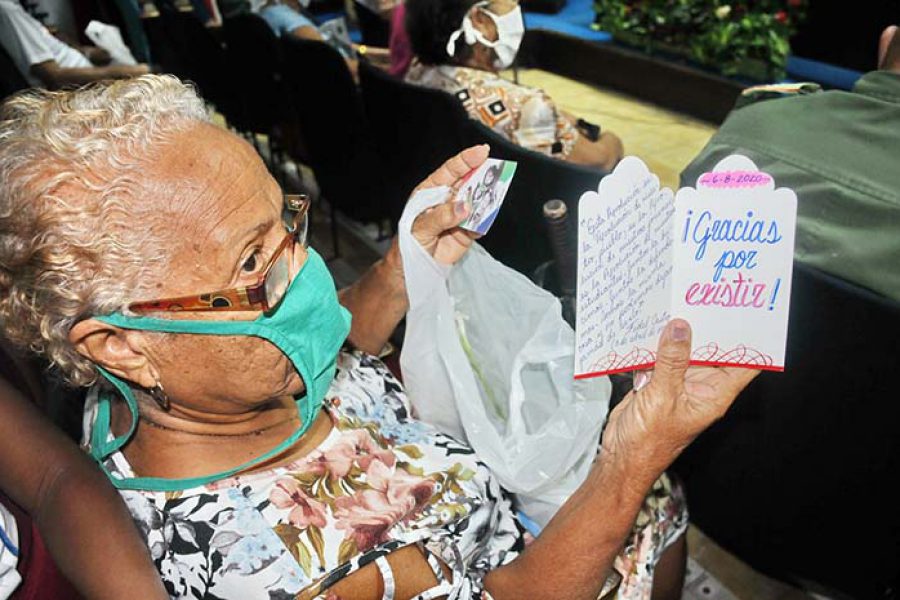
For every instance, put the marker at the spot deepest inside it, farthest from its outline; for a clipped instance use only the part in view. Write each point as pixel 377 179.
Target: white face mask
pixel 510 30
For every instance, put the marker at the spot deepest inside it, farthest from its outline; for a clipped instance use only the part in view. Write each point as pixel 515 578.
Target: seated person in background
pixel 460 46
pixel 383 8
pixel 46 61
pixel 401 53
pixel 296 468
pixel 286 17
pixel 840 151
pixel 80 517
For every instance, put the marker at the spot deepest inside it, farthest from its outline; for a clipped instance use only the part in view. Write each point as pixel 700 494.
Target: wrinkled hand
pixel 436 229
pixel 658 420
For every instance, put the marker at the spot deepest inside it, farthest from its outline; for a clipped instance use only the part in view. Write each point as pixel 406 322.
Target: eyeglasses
pixel 268 290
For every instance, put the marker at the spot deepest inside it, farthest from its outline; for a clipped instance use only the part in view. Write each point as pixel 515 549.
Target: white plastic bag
pixel 110 39
pixel 488 358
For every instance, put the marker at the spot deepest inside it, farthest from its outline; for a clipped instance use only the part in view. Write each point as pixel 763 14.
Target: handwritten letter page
pixel 624 269
pixel 719 256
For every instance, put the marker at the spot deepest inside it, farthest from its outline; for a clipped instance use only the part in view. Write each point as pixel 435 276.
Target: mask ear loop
pixel 471 33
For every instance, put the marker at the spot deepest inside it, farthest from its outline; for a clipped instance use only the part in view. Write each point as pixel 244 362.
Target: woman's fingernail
pixel 459 207
pixel 680 332
pixel 641 378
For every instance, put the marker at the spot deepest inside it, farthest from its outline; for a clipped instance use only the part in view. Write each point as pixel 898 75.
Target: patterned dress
pixel 379 481
pixel 525 116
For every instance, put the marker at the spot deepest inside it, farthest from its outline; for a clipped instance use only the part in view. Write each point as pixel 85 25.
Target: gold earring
pixel 159 395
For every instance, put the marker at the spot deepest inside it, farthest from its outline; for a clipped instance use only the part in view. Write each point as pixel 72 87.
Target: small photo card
pixel 483 191
pixel 719 255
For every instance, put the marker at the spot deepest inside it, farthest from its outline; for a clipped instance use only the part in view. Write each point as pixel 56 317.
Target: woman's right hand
pixel 437 228
pixel 655 422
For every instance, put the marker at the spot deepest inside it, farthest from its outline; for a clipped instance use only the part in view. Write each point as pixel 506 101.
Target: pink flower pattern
pixel 354 446
pixel 305 511
pixel 393 496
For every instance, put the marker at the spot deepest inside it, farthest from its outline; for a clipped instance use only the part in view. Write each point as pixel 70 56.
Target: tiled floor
pixel 730 577
pixel 665 140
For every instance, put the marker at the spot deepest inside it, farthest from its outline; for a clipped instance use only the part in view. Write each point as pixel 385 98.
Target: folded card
pixel 719 255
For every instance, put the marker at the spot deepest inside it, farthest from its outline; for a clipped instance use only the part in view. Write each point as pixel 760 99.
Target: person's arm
pixel 54 76
pixel 646 432
pixel 377 57
pixel 81 518
pixel 604 154
pixel 98 56
pixel 378 299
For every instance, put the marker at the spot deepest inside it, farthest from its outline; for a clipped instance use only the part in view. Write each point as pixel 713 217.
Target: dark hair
pixel 494 172
pixel 429 25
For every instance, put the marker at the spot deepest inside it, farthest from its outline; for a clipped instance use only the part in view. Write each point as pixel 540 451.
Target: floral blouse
pixel 379 481
pixel 526 116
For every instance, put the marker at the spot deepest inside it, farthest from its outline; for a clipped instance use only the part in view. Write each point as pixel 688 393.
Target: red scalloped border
pixel 708 355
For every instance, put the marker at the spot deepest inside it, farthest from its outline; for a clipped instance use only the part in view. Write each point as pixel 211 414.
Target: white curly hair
pixel 70 170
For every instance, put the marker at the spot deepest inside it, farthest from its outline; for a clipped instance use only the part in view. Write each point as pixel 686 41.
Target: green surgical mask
pixel 308 326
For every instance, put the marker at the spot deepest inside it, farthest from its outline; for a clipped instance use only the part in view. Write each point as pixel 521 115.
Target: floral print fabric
pixel 525 116
pixel 378 482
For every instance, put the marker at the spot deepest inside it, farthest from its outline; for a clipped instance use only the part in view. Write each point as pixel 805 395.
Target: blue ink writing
pixel 708 229
pixel 742 259
pixel 775 293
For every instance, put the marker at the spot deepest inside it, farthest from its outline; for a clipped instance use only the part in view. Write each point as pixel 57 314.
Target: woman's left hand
pixel 378 300
pixel 437 229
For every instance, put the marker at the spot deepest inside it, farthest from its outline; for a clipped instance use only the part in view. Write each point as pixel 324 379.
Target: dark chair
pixel 167 46
pixel 550 7
pixel 207 65
pixel 375 29
pixel 325 7
pixel 415 129
pixel 255 74
pixel 797 479
pixel 126 15
pixel 517 238
pixel 326 105
pixel 256 100
pixel 11 80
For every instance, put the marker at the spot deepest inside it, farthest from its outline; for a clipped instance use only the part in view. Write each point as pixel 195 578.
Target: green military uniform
pixel 840 152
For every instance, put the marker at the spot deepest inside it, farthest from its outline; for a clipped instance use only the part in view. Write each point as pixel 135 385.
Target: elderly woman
pixel 143 251
pixel 460 47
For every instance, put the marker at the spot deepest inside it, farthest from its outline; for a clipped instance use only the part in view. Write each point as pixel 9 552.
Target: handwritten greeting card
pixel 719 255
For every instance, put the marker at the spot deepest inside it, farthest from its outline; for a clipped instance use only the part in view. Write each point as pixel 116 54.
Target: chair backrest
pixel 327 107
pixel 164 49
pixel 375 29
pixel 255 72
pixel 416 129
pixel 518 236
pixel 789 479
pixel 207 62
pixel 11 80
pixel 125 14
